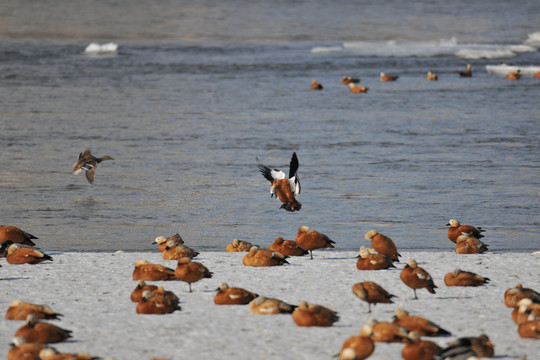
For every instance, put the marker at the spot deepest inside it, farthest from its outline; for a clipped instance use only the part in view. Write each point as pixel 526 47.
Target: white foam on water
pixel 431 48
pixel 505 69
pixel 107 48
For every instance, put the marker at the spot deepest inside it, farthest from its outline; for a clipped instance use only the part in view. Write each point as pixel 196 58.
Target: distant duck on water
pixel 88 162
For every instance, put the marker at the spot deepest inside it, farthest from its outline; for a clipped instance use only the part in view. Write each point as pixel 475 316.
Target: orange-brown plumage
pixel 346 80
pixel 512 296
pixel 233 295
pixel 431 76
pixel 422 326
pixel 372 293
pixel 42 332
pixel 190 271
pixel 314 315
pixel 22 350
pixel 357 88
pixel 311 240
pixel 358 347
pixel 467 244
pixel 175 251
pixel 466 73
pixel 287 247
pixel 136 294
pixel 270 306
pixel 417 349
pixel 385 331
pixel 383 245
pixel 152 272
pixel 385 78
pixel 162 241
pixel 282 189
pixel 22 254
pixel 464 278
pixel 238 246
pixel 530 329
pixel 456 230
pixel 263 257
pixel 416 277
pixel 315 85
pixel 156 304
pixel 371 261
pixel 525 308
pixel 13 233
pixel 19 310
pixel 514 75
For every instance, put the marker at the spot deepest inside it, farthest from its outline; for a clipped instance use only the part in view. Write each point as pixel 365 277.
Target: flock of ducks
pixel 31 340
pixel 352 82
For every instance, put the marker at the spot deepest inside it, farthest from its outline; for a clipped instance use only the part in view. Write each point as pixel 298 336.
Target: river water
pixel 197 90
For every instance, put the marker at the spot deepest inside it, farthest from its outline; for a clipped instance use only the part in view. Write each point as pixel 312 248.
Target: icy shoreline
pixel 93 290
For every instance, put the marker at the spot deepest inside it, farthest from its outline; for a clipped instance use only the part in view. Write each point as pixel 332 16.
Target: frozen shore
pixel 93 290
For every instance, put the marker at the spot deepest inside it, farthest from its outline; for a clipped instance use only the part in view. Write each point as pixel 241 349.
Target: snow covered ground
pixel 93 290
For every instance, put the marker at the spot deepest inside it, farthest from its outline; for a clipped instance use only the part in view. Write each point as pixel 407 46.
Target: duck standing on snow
pixel 286 189
pixel 88 162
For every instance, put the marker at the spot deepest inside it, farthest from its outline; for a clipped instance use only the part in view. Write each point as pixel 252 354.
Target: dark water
pixel 197 90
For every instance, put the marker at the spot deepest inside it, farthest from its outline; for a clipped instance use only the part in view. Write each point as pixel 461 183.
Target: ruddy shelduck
pixel 456 230
pixel 270 306
pixel 514 75
pixel 22 254
pixel 287 247
pixel 42 332
pixel 136 294
pixel 422 326
pixel 536 74
pixel 371 261
pixel 416 277
pixel 263 257
pixel 53 354
pixel 385 78
pixel 466 73
pixel 314 315
pixel 162 241
pixel 315 85
pixel 174 251
pixel 467 244
pixel 383 245
pixel 372 293
pixel 152 272
pixel 232 295
pixel 512 296
pixel 464 278
pixel 166 294
pixel 418 349
pixel 238 246
pixel 385 331
pixel 13 233
pixel 530 329
pixel 357 88
pixel 19 310
pixel 431 76
pixel 155 304
pixel 88 162
pixel 346 80
pixel 525 308
pixel 283 188
pixel 191 271
pixel 21 349
pixel 358 347
pixel 311 240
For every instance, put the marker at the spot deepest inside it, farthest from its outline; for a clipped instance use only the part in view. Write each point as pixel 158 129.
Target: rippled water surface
pixel 197 90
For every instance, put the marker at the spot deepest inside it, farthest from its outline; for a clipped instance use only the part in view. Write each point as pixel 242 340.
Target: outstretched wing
pixel 293 167
pixel 294 181
pixel 270 174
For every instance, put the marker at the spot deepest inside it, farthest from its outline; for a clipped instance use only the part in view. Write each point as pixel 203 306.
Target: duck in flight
pixel 286 189
pixel 88 162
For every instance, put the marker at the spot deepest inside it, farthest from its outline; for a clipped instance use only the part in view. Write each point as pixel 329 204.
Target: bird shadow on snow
pixel 14 278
